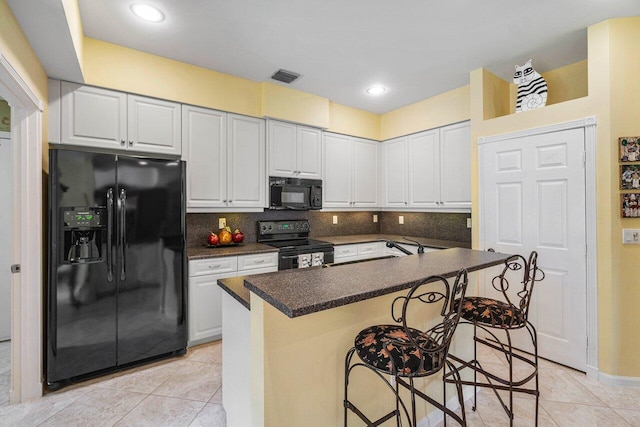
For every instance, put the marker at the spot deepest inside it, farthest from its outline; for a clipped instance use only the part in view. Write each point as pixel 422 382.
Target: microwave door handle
pixel 295 208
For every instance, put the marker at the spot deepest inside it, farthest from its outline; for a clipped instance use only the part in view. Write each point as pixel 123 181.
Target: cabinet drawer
pixel 203 267
pixel 370 250
pixel 247 263
pixel 344 253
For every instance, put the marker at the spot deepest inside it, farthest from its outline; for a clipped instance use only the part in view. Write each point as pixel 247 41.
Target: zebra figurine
pixel 532 88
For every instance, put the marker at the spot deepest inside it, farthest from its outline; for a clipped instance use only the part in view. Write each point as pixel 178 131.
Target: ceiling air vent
pixel 285 76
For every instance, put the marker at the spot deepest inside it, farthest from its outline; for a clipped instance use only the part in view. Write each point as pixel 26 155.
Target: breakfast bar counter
pixel 284 358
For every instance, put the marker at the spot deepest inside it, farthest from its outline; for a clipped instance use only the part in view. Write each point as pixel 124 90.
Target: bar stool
pixel 407 353
pixel 487 314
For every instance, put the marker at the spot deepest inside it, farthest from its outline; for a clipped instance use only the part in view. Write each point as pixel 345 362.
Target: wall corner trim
pixel 17 79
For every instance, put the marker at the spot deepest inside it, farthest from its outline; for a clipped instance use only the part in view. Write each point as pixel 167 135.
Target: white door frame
pixel 26 286
pixel 589 126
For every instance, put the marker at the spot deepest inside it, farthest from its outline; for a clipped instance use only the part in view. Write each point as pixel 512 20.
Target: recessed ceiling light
pixel 147 12
pixel 376 90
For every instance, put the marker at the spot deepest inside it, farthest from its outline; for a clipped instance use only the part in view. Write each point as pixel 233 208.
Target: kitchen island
pixel 284 357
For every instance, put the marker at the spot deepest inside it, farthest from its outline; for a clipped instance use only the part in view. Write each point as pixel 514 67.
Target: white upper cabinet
pixel 394 179
pixel 225 155
pixel 424 169
pixel 101 118
pixel 455 161
pixel 350 172
pixel 204 133
pixel 93 117
pixel 294 150
pixel 246 152
pixel 428 170
pixel 336 187
pixel 365 173
pixel 154 125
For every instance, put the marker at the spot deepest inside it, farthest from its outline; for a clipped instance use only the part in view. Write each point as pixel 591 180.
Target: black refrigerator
pixel 116 293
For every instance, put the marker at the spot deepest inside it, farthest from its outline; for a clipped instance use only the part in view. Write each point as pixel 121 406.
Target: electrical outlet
pixel 401 219
pixel 222 222
pixel 375 218
pixel 335 219
pixel 630 236
pixel 468 222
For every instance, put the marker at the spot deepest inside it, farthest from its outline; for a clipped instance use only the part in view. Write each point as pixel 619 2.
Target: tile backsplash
pixel 445 226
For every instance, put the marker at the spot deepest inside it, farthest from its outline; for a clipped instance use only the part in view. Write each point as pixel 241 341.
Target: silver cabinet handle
pixel 258 261
pixel 215 266
pixel 123 233
pixel 109 234
pixel 122 141
pixel 130 142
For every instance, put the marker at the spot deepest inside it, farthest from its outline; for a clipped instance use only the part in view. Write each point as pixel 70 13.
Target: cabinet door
pixel 205 308
pixel 282 149
pixel 337 171
pixel 93 117
pixel 394 173
pixel 154 126
pixel 204 133
pixel 455 175
pixel 365 173
pixel 246 162
pixel 309 153
pixel 424 169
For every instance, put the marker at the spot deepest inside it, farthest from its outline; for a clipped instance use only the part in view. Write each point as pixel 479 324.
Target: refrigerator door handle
pixel 123 233
pixel 109 235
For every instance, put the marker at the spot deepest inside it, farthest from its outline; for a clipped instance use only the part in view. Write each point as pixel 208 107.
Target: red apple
pixel 212 239
pixel 237 236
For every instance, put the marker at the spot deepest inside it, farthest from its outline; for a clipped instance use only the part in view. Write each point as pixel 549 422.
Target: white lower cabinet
pixel 359 251
pixel 205 296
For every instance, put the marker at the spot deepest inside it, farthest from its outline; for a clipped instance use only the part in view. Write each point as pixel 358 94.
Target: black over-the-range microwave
pixel 295 193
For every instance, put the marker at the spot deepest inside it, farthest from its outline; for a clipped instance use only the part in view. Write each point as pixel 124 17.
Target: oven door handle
pixel 290 257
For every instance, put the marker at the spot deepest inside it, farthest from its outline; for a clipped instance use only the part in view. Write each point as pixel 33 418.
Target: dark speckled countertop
pixel 309 290
pixel 200 252
pixel 365 238
pixel 234 286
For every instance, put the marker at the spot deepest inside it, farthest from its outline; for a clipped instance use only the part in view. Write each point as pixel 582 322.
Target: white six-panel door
pixel 532 197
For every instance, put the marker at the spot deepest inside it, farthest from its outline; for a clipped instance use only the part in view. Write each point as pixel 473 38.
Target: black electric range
pixel 296 249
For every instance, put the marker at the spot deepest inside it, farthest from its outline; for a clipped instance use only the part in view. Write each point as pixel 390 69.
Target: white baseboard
pixel 436 416
pixel 617 380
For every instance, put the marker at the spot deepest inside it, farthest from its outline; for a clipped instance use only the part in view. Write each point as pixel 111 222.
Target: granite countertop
pixel 309 290
pixel 365 238
pixel 200 252
pixel 234 286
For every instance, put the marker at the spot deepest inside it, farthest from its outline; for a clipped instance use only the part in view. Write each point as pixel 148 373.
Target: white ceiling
pixel 416 48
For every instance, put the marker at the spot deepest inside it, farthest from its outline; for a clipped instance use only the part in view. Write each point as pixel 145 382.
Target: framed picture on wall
pixel 630 207
pixel 629 147
pixel 630 177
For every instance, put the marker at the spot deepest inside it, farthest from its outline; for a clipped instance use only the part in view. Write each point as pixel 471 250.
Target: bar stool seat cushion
pixel 492 312
pixel 388 349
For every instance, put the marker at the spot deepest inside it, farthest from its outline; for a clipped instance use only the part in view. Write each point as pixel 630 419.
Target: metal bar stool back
pixel 507 315
pixel 406 352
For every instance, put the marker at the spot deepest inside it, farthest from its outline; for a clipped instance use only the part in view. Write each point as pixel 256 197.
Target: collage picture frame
pixel 629 157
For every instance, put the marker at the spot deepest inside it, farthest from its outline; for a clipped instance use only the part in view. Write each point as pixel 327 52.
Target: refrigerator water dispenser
pixel 84 232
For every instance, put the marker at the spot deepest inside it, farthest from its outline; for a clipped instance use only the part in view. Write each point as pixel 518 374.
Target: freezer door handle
pixel 109 235
pixel 123 233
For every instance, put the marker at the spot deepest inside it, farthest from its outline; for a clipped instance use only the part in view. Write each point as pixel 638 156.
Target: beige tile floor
pixel 187 392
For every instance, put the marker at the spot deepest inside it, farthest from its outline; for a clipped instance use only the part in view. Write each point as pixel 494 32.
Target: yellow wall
pixel 564 83
pixel 449 107
pixel 15 47
pixel 284 103
pixel 624 46
pixel 352 121
pixel 613 91
pixel 116 67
